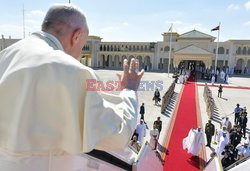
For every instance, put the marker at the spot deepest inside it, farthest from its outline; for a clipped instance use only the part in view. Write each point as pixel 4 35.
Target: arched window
pixel 248 52
pixel 238 50
pixel 134 48
pixel 221 50
pixel 108 48
pixel 244 51
pixel 166 48
pixel 104 48
pixel 111 48
pixel 141 48
pixel 101 48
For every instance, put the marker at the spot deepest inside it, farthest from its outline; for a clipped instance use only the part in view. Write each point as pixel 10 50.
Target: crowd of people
pixel 232 142
pixel 221 74
pixel 183 77
pixel 141 129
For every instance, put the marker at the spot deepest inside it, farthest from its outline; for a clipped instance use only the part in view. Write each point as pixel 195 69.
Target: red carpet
pixel 186 118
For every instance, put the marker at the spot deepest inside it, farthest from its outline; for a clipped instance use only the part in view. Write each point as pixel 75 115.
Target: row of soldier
pixel 207 94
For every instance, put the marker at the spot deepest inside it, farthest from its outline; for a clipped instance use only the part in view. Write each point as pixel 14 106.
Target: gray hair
pixel 64 18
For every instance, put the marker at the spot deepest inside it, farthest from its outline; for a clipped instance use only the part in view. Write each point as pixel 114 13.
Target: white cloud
pixel 30 21
pixel 15 31
pixel 37 13
pixel 233 7
pixel 247 5
pixel 247 23
pixel 125 24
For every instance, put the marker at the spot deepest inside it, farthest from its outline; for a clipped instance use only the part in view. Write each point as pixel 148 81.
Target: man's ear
pixel 75 36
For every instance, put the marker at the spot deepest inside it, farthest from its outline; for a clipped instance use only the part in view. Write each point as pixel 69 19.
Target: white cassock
pixel 221 145
pixel 154 136
pixel 46 109
pixel 220 133
pixel 213 80
pixel 193 142
pixel 141 131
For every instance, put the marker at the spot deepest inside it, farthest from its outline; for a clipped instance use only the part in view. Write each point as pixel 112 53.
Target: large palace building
pixel 154 56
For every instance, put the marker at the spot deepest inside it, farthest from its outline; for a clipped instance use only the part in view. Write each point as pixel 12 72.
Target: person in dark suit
pixel 243 123
pixel 142 111
pixel 235 136
pixel 220 91
pixel 209 131
pixel 158 124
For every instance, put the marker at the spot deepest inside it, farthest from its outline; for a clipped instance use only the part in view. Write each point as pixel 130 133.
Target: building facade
pixel 190 46
pixel 154 56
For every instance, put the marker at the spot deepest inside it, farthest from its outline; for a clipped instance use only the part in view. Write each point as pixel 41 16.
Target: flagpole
pixel 216 56
pixel 170 49
pixel 23 23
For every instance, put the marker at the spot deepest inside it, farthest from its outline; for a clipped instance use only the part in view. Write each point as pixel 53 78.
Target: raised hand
pixel 130 78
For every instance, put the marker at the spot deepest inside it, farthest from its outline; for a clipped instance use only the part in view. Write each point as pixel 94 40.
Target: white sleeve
pixel 109 120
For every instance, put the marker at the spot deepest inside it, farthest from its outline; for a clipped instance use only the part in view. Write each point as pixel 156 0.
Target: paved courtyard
pixel 225 105
pixel 151 111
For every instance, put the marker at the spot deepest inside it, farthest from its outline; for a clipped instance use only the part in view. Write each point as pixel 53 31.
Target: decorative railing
pixel 167 97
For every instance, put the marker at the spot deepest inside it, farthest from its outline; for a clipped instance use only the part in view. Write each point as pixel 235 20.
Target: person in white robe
pixel 213 80
pixel 226 122
pixel 141 131
pixel 226 81
pixel 49 110
pixel 221 131
pixel 243 150
pixel 194 141
pixel 223 141
pixel 154 136
pixel 222 75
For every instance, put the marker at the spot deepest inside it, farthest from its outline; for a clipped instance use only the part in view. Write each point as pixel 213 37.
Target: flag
pixel 170 28
pixel 216 28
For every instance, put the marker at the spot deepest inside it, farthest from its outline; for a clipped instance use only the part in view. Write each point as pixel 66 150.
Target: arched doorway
pixel 117 61
pixel 140 62
pixel 239 66
pixel 101 62
pixel 248 66
pixel 147 63
pixel 108 62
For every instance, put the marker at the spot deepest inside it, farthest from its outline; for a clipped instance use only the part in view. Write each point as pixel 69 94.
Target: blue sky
pixel 137 20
